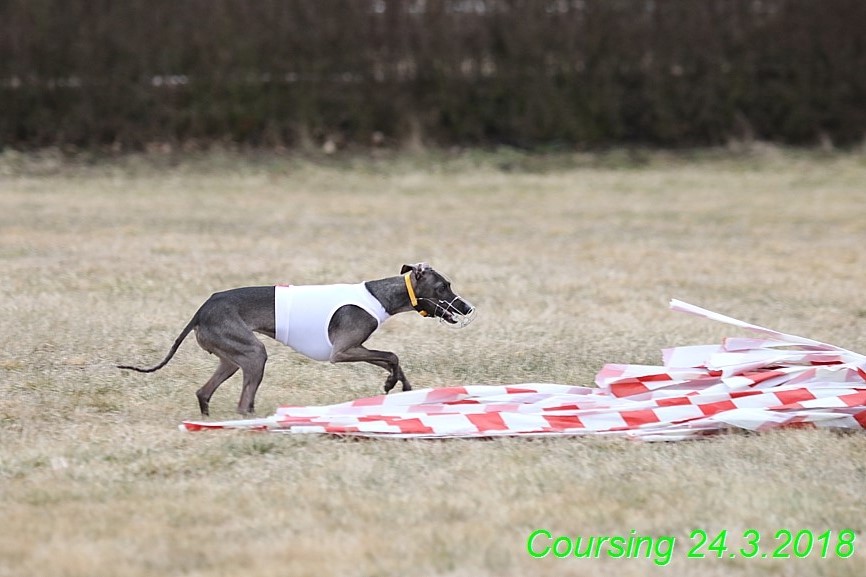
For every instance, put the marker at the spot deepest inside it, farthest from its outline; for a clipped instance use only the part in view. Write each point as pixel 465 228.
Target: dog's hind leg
pixel 222 332
pixel 252 363
pixel 225 370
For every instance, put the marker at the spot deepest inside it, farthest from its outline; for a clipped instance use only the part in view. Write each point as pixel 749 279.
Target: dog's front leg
pixel 395 377
pixel 384 359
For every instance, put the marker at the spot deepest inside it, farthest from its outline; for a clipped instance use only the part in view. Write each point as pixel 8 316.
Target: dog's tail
pixel 186 330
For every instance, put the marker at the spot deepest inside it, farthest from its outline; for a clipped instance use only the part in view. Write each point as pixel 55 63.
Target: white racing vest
pixel 302 314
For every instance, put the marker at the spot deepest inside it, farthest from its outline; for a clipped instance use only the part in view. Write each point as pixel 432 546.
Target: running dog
pixel 322 322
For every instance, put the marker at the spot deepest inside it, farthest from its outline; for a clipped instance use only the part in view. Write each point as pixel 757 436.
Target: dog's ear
pixel 417 269
pixel 421 268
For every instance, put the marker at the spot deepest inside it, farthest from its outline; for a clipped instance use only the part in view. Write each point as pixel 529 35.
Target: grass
pixel 571 260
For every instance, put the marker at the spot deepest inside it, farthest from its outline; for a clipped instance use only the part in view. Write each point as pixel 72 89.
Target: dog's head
pixel 431 295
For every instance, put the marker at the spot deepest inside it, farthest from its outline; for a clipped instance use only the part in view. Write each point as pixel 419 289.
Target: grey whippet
pixel 328 322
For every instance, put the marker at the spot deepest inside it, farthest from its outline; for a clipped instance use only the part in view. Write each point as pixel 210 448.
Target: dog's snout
pixel 465 312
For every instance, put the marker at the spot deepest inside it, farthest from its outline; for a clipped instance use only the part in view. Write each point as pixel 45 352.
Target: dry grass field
pixel 571 260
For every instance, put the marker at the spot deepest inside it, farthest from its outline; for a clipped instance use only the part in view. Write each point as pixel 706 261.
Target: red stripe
pixel 488 422
pixel 798 423
pixel 860 418
pixel 640 417
pixel 651 378
pixel 517 390
pixel 197 427
pixel 369 401
pixel 746 393
pixel 443 394
pixel 761 376
pixel 560 423
pixel 673 402
pixel 854 399
pixel 717 407
pixel 628 388
pixel 341 429
pixel 794 396
pixel 561 408
pixel 405 425
pixel 413 426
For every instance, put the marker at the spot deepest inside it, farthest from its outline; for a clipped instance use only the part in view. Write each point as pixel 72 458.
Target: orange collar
pixel 412 299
